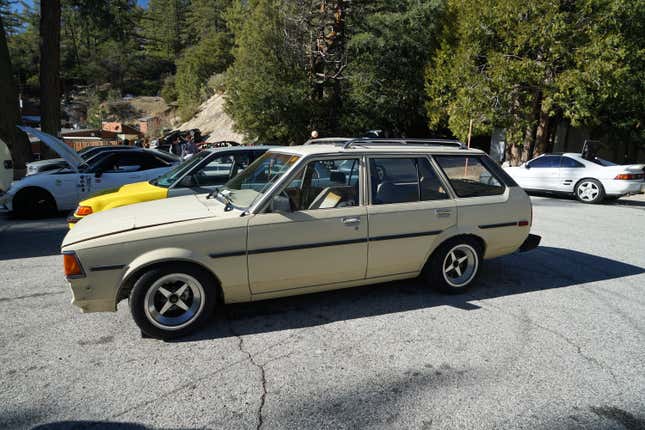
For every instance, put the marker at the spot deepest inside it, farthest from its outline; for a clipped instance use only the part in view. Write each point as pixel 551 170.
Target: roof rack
pixel 368 141
pixel 328 141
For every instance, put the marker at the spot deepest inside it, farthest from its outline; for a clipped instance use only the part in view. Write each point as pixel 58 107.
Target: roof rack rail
pixel 328 141
pixel 370 141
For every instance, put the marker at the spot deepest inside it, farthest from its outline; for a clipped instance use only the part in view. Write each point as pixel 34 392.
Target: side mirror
pixel 280 203
pixel 526 166
pixel 98 173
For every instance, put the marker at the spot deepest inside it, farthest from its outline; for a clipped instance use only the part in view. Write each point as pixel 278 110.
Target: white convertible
pixel 590 179
pixel 62 189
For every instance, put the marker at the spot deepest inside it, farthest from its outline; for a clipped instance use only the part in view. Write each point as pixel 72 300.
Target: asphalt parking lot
pixel 551 339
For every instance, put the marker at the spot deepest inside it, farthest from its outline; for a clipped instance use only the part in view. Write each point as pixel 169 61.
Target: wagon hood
pixel 57 145
pixel 147 214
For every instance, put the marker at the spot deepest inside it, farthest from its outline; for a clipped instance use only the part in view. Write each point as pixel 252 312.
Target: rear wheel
pixel 34 202
pixel 172 301
pixel 454 265
pixel 589 191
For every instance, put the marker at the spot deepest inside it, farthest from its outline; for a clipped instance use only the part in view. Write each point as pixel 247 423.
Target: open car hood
pixel 68 154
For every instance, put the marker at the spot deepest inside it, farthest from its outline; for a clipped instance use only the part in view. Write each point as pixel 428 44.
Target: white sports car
pixel 62 189
pixel 590 179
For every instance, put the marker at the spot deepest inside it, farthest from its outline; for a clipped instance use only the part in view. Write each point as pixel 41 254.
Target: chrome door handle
pixel 443 212
pixel 351 221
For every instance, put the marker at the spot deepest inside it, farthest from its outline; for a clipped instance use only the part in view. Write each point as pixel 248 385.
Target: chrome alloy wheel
pixel 460 265
pixel 174 301
pixel 588 191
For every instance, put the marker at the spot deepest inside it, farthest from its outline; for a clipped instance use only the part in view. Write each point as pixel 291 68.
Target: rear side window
pixel 570 162
pixel 403 180
pixel 469 176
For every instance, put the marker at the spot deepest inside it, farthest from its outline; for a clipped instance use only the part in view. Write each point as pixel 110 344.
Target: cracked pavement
pixel 551 339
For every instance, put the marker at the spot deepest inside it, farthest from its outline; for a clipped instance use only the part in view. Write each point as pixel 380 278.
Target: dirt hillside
pixel 212 120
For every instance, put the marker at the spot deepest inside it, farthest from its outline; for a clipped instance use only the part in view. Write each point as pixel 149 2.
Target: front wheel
pixel 172 301
pixel 589 191
pixel 33 203
pixel 454 265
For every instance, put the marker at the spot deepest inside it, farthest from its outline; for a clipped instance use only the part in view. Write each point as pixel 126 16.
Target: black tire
pixel 147 302
pixel 33 203
pixel 589 191
pixel 440 262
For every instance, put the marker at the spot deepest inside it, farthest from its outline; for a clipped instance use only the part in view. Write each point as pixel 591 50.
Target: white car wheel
pixel 589 191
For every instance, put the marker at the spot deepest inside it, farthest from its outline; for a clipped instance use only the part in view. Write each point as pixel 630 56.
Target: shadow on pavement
pixel 94 425
pixel 30 238
pixel 542 269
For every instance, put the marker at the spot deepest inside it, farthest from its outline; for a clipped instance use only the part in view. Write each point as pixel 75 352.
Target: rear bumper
pixel 530 243
pixel 621 187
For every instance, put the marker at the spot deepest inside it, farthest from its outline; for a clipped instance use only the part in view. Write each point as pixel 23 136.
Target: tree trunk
pixel 9 115
pixel 542 134
pixel 532 128
pixel 50 68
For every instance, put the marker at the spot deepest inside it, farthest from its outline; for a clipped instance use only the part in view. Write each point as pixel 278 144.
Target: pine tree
pixel 164 28
pixel 524 66
pixel 9 115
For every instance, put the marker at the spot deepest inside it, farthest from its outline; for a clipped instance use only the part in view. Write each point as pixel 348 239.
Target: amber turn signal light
pixel 72 266
pixel 83 211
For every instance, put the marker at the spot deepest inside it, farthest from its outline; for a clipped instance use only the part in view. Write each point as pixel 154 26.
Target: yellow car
pixel 196 175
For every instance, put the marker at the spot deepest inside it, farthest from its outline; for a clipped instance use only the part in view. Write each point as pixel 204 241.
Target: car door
pixel 409 207
pixel 543 173
pixel 122 167
pixel 570 172
pixel 320 242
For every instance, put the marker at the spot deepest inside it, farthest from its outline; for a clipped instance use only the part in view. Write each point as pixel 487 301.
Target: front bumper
pixel 530 243
pixel 72 219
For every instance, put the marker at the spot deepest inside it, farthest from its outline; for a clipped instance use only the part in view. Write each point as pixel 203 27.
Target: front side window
pixel 546 161
pixel 249 185
pixel 325 184
pixel 403 180
pixel 468 176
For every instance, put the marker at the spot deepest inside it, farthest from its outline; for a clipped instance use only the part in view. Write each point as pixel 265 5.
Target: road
pixel 551 339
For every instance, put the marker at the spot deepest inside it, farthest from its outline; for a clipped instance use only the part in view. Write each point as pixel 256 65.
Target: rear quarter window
pixel 469 175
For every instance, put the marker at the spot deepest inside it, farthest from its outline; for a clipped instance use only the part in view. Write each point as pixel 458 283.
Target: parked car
pixel 58 190
pixel 590 179
pixel 198 174
pixel 276 229
pixel 6 167
pixel 58 163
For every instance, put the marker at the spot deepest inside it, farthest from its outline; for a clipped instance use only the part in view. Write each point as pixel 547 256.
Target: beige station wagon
pixel 300 220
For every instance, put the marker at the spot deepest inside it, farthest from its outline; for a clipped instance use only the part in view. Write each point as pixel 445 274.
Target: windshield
pixel 171 176
pixel 244 189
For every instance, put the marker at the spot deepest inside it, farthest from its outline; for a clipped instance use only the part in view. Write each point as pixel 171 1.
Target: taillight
pixel 629 176
pixel 83 211
pixel 72 266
